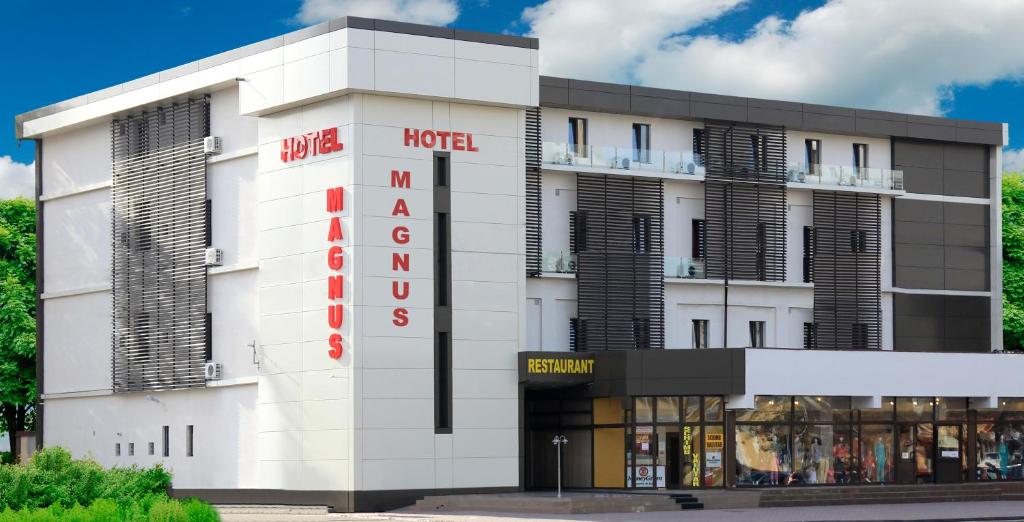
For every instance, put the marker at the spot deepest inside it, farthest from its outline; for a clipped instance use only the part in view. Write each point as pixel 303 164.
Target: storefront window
pixel 879 414
pixel 644 410
pixel 813 447
pixel 691 463
pixel 713 409
pixel 950 409
pixel 1000 452
pixel 608 410
pixel 643 455
pixel 668 409
pixel 876 453
pixel 914 408
pixel 762 455
pixel 768 408
pixel 714 456
pixel 691 407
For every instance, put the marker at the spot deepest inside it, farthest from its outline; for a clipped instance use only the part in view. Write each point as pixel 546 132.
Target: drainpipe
pixel 39 295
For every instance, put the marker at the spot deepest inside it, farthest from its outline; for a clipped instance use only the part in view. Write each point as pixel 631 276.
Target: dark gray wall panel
pixel 919 210
pixel 971 280
pixel 922 180
pixel 789 119
pixel 554 96
pixel 876 126
pixel 915 277
pixel 922 256
pixel 912 153
pixel 965 184
pixel 659 107
pixel 829 123
pixel 951 169
pixel 941 246
pixel 913 233
pixel 598 100
pixel 965 213
pixel 965 258
pixel 718 111
pixel 924 322
pixel 965 235
pixel 965 157
pixel 931 132
pixel 979 136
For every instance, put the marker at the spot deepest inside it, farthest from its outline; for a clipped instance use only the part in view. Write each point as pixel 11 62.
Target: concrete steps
pixel 570 503
pixel 894 494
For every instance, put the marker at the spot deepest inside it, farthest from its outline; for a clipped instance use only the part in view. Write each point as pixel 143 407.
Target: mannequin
pixel 879 460
pixel 1004 458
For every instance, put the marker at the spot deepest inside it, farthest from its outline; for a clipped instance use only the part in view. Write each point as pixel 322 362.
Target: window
pixel 442 384
pixel 700 333
pixel 699 238
pixel 810 241
pixel 858 241
pixel 131 449
pixel 578 136
pixel 757 334
pixel 573 325
pixel 166 448
pixel 209 223
pixel 641 234
pixel 860 156
pixel 209 336
pixel 642 142
pixel 698 147
pixel 761 251
pixel 152 448
pixel 859 336
pixel 577 231
pixel 117 449
pixel 810 336
pixel 188 440
pixel 442 295
pixel 813 156
pixel 641 333
pixel 759 152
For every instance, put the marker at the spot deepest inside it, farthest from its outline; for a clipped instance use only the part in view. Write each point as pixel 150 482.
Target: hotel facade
pixel 368 261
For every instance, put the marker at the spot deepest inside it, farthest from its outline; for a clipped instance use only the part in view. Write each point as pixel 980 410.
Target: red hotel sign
pixel 335 262
pixel 310 144
pixel 438 139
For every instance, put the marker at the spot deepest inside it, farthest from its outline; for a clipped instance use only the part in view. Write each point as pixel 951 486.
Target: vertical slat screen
pixel 745 201
pixel 159 237
pixel 620 277
pixel 534 194
pixel 847 270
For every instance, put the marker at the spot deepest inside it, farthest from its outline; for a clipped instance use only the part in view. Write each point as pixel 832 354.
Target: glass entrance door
pixel 924 452
pixel 948 454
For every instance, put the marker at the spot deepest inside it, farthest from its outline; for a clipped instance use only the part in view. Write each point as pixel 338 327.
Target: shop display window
pixel 1000 447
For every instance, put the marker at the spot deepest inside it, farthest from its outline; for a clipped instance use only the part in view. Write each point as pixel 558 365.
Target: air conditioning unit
pixel 213 371
pixel 211 145
pixel 214 257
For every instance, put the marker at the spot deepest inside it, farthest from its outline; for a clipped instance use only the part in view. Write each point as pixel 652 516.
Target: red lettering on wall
pixel 334 234
pixel 335 346
pixel 335 260
pixel 429 139
pixel 402 293
pixel 400 180
pixel 336 287
pixel 400 235
pixel 401 317
pixel 400 208
pixel 335 315
pixel 313 143
pixel 399 261
pixel 336 199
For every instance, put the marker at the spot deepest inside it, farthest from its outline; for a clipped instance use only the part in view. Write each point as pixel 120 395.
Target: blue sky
pixel 63 48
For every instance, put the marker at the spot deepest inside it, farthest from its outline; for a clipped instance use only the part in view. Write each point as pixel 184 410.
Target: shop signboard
pixel 553 368
pixel 714 441
pixel 645 476
pixel 713 459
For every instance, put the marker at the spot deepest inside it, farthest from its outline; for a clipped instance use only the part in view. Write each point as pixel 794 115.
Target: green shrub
pixel 199 511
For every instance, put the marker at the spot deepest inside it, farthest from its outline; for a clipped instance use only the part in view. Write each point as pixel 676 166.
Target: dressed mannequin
pixel 879 460
pixel 1004 458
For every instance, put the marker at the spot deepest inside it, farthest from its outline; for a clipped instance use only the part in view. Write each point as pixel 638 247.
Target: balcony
pixel 673 162
pixel 684 268
pixel 558 263
pixel 845 176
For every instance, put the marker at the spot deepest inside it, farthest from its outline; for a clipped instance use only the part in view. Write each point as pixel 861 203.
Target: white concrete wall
pixel 616 130
pixel 837 149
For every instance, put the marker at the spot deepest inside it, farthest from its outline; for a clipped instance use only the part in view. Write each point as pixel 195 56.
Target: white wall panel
pixel 78 346
pixel 77 237
pixel 77 159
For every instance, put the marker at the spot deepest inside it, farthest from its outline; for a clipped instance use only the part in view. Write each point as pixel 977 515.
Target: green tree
pixel 17 315
pixel 1013 261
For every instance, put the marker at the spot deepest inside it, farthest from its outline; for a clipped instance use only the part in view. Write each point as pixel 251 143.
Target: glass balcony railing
pixel 845 176
pixel 559 263
pixel 593 156
pixel 684 268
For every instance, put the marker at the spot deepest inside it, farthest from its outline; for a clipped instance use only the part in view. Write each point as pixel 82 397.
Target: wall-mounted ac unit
pixel 211 145
pixel 213 371
pixel 214 257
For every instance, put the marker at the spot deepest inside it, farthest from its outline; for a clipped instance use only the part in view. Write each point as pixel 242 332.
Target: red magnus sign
pixel 310 144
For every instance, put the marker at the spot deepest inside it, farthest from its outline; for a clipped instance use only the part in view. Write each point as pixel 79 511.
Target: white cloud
pixel 1013 160
pixel 604 39
pixel 431 12
pixel 904 55
pixel 16 179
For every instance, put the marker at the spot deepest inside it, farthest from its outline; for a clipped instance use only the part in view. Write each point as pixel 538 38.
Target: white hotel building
pixel 347 266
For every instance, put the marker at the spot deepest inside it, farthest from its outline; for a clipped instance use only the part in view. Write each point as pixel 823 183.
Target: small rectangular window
pixel 166 447
pixel 443 384
pixel 699 238
pixel 188 440
pixel 860 156
pixel 209 223
pixel 209 336
pixel 810 336
pixel 858 241
pixel 759 152
pixel 152 448
pixel 573 325
pixel 812 155
pixel 572 231
pixel 578 136
pixel 641 234
pixel 757 334
pixel 698 147
pixel 859 336
pixel 117 449
pixel 761 251
pixel 577 231
pixel 810 241
pixel 641 333
pixel 131 449
pixel 642 142
pixel 700 333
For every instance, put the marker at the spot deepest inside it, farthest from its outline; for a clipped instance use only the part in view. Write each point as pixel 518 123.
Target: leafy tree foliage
pixel 1013 261
pixel 17 315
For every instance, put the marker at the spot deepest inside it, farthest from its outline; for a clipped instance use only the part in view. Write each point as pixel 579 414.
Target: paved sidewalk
pixel 946 511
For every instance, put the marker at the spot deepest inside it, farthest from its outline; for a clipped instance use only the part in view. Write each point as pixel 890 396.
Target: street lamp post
pixel 558 441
